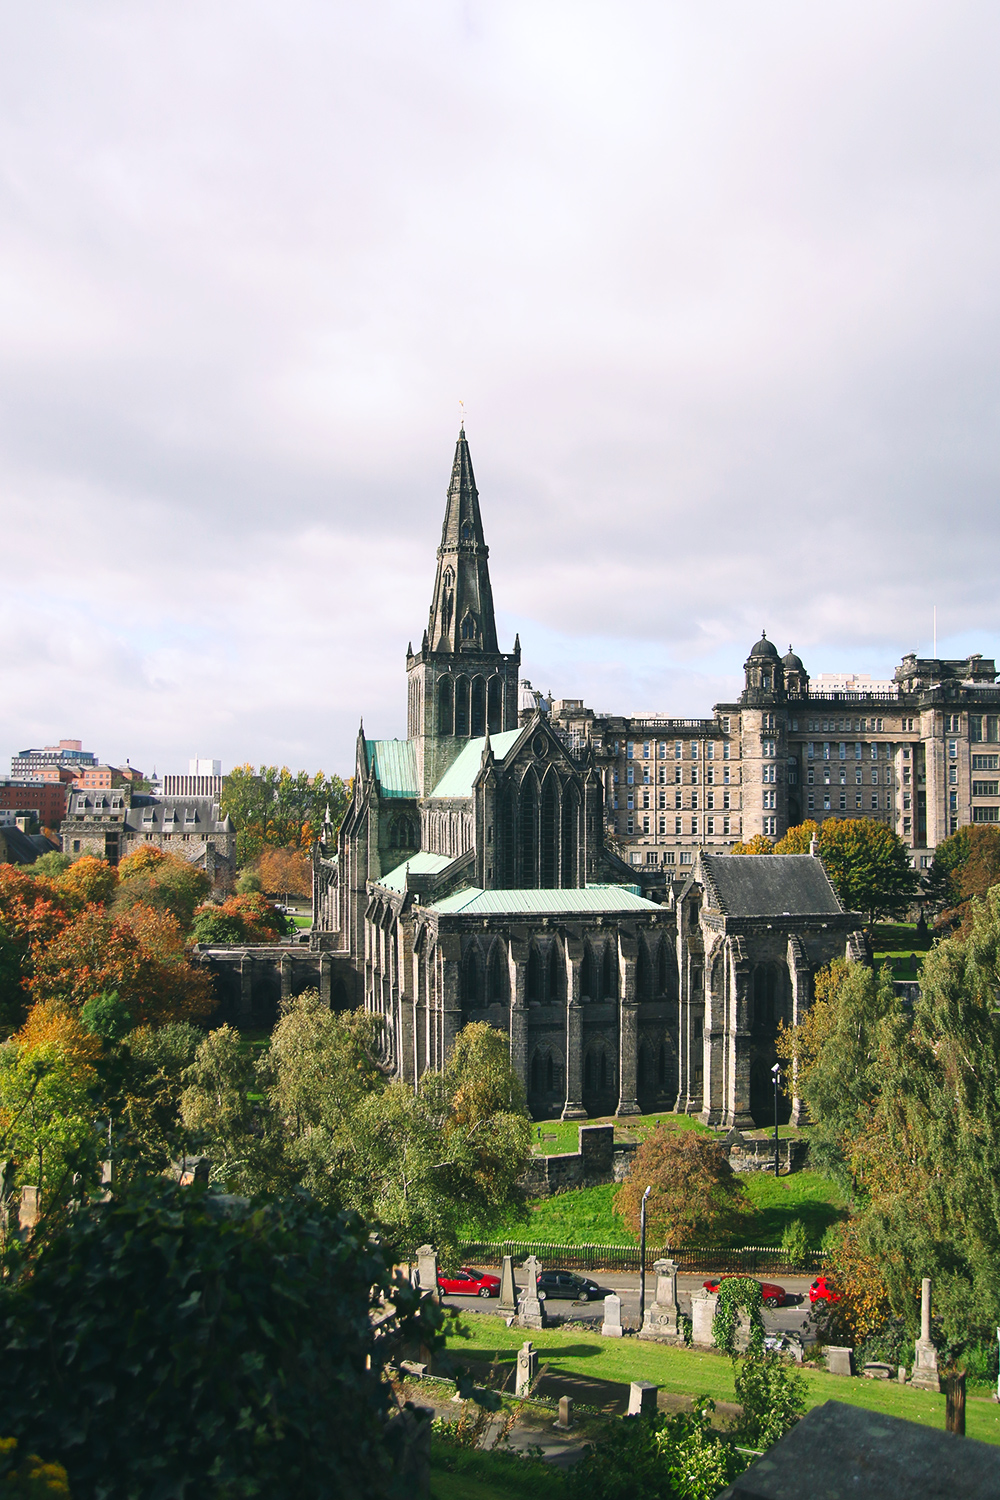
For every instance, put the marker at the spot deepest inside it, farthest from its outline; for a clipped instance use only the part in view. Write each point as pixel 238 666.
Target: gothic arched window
pixel 535 981
pixel 609 975
pixel 494 704
pixel 496 980
pixel 446 719
pixel 468 627
pixel 478 706
pixel 462 706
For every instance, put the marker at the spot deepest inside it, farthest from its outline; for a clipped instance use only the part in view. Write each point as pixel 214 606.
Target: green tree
pixel 165 1343
pixel 965 865
pixel 51 865
pixel 273 808
pixel 48 1088
pixel 164 882
pixel 696 1193
pixel 219 1114
pixel 869 867
pixel 798 840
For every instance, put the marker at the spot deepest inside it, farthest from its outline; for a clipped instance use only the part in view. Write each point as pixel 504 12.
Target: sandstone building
pixel 112 822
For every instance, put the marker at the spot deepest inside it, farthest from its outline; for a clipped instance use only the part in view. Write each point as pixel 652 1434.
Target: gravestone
pixel 27 1216
pixel 839 1360
pixel 642 1398
pixel 565 1421
pixel 612 1325
pixel 660 1321
pixel 527 1368
pixel 925 1366
pixel 531 1307
pixel 508 1288
pixel 703 1305
pixel 427 1269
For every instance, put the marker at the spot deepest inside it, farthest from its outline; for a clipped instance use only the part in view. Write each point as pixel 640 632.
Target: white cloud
pixel 716 284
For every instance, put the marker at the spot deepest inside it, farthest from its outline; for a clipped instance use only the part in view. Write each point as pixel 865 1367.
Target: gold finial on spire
pixel 462 405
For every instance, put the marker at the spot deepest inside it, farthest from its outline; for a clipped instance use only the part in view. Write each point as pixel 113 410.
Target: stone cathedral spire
pixel 461 685
pixel 461 616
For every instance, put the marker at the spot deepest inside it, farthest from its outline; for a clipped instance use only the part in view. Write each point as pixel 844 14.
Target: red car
pixel 771 1295
pixel 470 1283
pixel 821 1293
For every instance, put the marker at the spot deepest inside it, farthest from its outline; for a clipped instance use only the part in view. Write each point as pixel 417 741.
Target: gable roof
pixel 423 863
pixel 768 885
pixel 592 898
pixel 458 779
pixel 394 763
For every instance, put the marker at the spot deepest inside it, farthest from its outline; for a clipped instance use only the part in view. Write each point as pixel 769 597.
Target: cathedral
pixel 474 878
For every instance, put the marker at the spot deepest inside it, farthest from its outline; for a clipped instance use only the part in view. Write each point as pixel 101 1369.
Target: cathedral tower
pixel 460 683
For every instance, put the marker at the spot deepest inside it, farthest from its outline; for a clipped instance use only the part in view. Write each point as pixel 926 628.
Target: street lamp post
pixel 776 1070
pixel 642 1255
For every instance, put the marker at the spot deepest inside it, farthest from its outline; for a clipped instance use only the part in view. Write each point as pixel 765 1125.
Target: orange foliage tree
pixel 696 1194
pixel 139 954
pixel 285 872
pixel 239 919
pixel 759 844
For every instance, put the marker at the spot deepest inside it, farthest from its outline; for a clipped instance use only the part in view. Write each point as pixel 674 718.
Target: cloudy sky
pixel 717 283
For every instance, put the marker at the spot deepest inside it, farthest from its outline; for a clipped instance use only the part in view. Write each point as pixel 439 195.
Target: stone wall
pixel 601 1159
pixel 251 981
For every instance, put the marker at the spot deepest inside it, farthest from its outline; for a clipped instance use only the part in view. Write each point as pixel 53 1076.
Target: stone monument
pixel 531 1307
pixel 642 1398
pixel 703 1305
pixel 527 1368
pixel 925 1366
pixel 508 1288
pixel 565 1421
pixel 840 1359
pixel 427 1269
pixel 612 1325
pixel 660 1321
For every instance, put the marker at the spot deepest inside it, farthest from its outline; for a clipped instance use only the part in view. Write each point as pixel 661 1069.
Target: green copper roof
pixel 473 902
pixel 457 780
pixel 421 864
pixel 395 764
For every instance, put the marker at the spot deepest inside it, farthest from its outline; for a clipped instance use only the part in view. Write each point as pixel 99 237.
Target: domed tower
pixel 764 671
pixel 796 676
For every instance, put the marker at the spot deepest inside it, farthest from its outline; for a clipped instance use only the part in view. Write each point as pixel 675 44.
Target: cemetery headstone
pixel 27 1216
pixel 642 1398
pixel 531 1307
pixel 565 1421
pixel 925 1366
pixel 508 1288
pixel 612 1325
pixel 703 1306
pixel 839 1361
pixel 527 1368
pixel 660 1321
pixel 427 1269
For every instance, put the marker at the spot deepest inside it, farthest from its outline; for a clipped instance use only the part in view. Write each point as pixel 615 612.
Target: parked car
pixel 771 1294
pixel 822 1293
pixel 470 1283
pixel 568 1284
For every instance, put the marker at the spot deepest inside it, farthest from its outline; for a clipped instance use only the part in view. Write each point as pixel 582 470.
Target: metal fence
pixel 762 1259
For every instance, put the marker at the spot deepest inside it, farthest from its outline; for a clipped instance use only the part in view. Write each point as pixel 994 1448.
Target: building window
pixel 694 775
pixel 663 799
pixel 725 798
pixel 678 799
pixel 952 749
pixel 953 776
pixel 694 827
pixel 769 797
pixel 986 762
pixel 843 801
pixel 826 749
pixel 770 826
pixel 630 825
pixel 630 776
pixel 874 776
pixel 709 825
pixel 811 801
pixel 694 749
pixel 663 825
pixel 645 751
pixel 725 724
pixel 907 825
pixel 725 776
pixel 725 825
pixel 857 799
pixel 76 846
pixel 986 814
pixel 826 801
pixel 630 801
pixel 725 751
pixel 980 789
pixel 874 801
pixel 769 773
pixel 694 799
pixel 710 750
pixel 678 825
pixel 678 749
pixel 686 859
pixel 652 858
pixel 668 859
pixel 663 749
pixel 645 825
pixel 630 749
pixel 709 799
pixel 906 799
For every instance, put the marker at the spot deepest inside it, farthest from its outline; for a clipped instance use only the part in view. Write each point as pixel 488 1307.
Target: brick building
pixel 45 798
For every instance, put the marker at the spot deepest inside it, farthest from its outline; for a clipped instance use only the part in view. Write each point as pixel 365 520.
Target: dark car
pixel 822 1292
pixel 770 1294
pixel 469 1283
pixel 568 1284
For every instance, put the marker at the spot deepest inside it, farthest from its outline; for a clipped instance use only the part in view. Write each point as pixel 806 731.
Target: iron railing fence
pixel 760 1259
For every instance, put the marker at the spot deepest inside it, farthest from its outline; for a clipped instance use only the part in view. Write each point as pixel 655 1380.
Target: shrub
pixel 795 1242
pixel 172 1343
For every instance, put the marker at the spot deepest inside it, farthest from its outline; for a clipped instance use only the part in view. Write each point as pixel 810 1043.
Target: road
pixel 786 1319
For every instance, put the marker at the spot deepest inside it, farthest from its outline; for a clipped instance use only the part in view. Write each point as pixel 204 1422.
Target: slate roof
pixel 178 814
pixel 394 762
pixel 473 902
pixel 25 848
pixel 457 780
pixel 769 885
pixel 423 863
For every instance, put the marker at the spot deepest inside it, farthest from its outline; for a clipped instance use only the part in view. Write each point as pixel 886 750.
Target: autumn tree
pixel 696 1194
pixel 759 844
pixel 285 872
pixel 273 808
pixel 138 954
pixel 239 919
pixel 798 840
pixel 164 882
pixel 48 1083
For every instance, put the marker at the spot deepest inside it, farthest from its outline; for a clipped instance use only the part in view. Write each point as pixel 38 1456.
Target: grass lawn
pixel 896 943
pixel 586 1216
pixel 553 1137
pixel 689 1372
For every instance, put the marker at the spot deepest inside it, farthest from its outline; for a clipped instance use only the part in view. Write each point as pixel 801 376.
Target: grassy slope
pixel 688 1372
pixel 586 1216
pixel 553 1137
